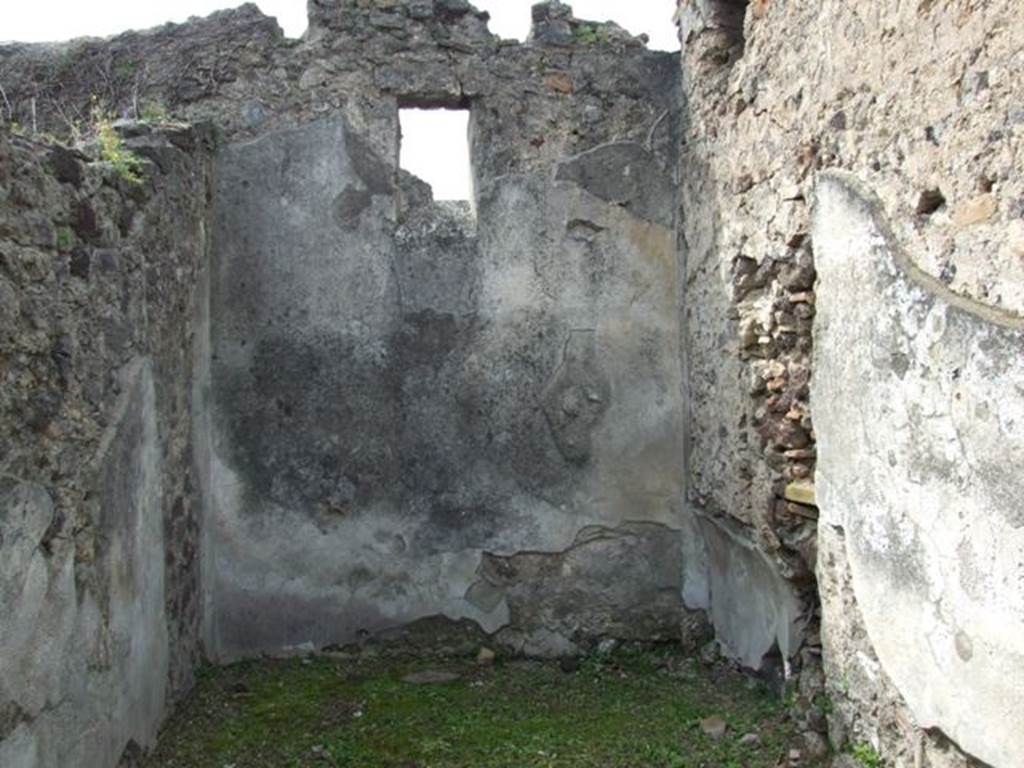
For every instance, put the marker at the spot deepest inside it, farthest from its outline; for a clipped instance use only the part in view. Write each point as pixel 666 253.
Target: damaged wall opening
pixel 728 16
pixel 435 148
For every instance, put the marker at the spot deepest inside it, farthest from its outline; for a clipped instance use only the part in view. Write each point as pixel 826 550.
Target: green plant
pixel 113 151
pixel 588 34
pixel 866 755
pixel 110 145
pixel 825 704
pixel 789 697
pixel 64 238
pixel 17 129
pixel 154 112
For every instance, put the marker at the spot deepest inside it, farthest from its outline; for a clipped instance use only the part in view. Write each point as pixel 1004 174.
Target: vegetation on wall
pixel 113 152
pixel 590 34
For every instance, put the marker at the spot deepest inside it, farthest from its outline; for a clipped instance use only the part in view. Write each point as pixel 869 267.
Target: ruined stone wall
pixel 921 261
pixel 468 410
pixel 413 409
pixel 99 576
pixel 577 406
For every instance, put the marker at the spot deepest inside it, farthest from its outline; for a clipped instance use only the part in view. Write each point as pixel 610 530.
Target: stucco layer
pixel 404 391
pixel 921 425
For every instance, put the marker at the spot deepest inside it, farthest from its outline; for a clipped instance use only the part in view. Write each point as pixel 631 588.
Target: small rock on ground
pixel 569 664
pixel 750 740
pixel 815 745
pixel 709 654
pixel 713 727
pixel 430 676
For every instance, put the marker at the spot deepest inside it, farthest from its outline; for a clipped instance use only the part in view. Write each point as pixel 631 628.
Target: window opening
pixel 435 148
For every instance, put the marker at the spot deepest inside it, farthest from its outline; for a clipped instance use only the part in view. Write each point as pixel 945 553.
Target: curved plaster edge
pixel 858 195
pixel 920 424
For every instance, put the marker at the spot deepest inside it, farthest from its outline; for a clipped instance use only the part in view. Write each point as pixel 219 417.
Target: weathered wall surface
pixel 918 102
pixel 921 424
pixel 413 409
pixel 402 409
pixel 426 409
pixel 99 581
pixel 405 408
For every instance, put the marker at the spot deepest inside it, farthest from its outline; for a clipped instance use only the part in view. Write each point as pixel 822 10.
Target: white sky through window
pixel 435 147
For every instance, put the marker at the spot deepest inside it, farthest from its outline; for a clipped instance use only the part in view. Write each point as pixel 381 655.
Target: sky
pixel 48 20
pixel 434 145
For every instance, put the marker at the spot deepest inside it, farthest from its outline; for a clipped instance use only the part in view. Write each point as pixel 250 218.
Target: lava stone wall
pixel 898 125
pixel 99 512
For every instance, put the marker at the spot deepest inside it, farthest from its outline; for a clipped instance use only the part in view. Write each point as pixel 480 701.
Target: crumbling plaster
pixel 578 406
pixel 404 395
pixel 917 102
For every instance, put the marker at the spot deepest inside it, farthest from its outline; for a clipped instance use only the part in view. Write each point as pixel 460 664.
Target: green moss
pixel 65 238
pixel 627 710
pixel 866 755
pixel 588 34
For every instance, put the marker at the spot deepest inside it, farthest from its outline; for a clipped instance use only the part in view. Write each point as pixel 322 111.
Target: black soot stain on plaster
pixel 313 423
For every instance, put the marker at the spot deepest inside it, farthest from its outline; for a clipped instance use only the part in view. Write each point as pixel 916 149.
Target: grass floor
pixel 622 711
